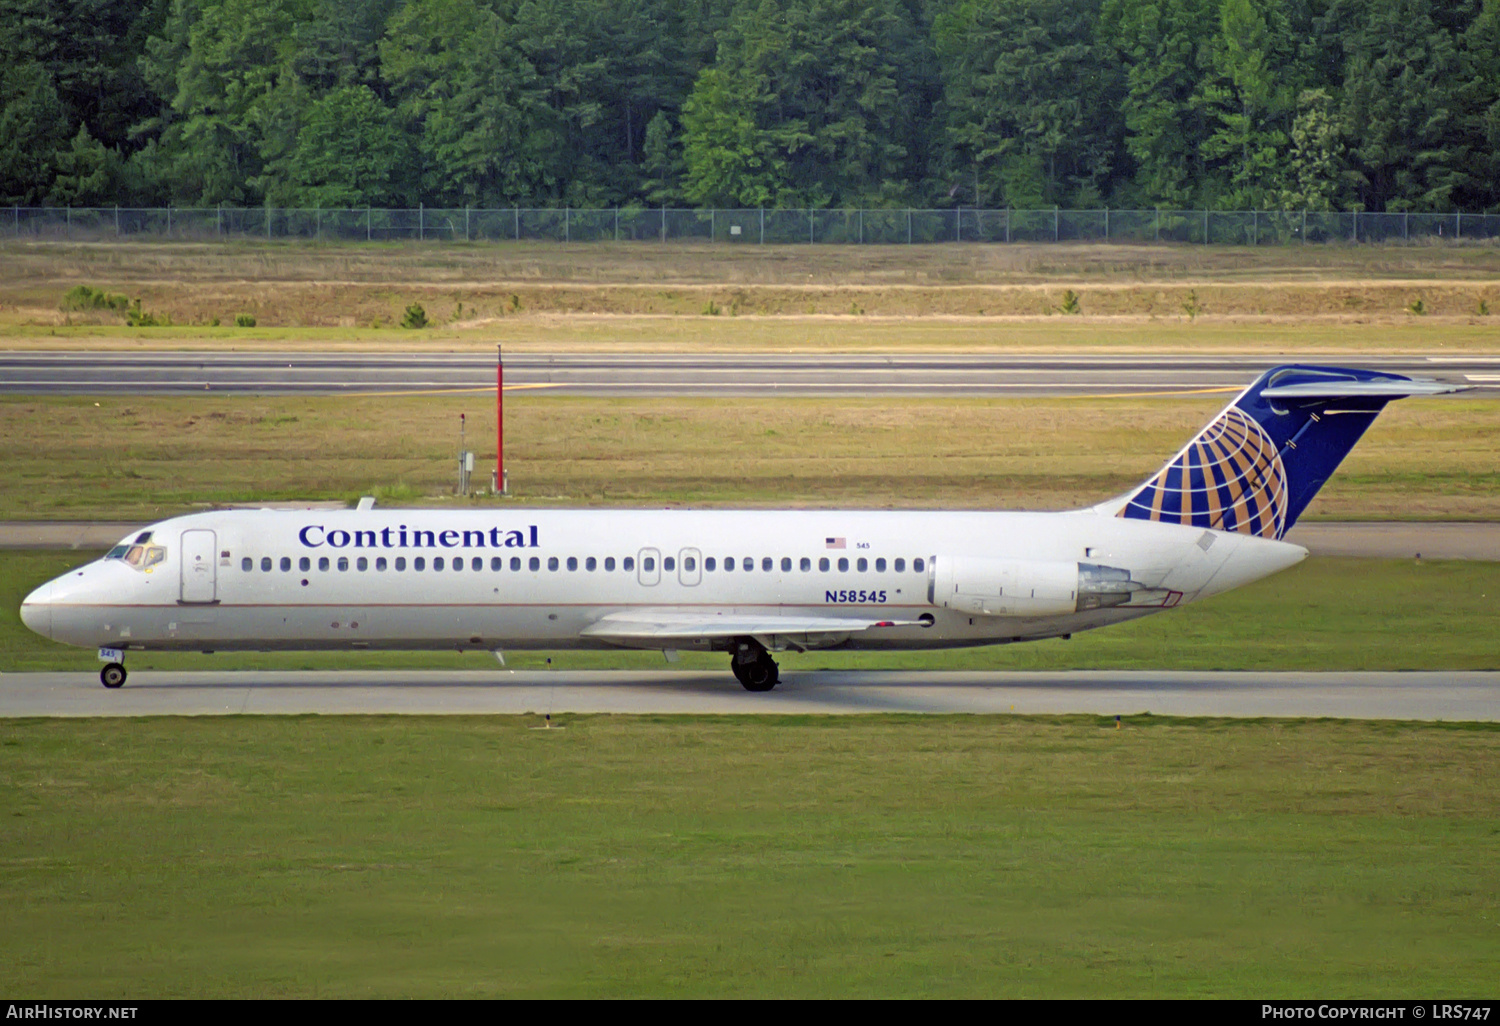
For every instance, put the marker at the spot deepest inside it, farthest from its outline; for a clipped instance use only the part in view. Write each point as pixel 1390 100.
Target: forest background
pixel 1381 105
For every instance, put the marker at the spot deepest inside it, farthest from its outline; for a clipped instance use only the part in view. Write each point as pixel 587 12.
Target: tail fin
pixel 1257 465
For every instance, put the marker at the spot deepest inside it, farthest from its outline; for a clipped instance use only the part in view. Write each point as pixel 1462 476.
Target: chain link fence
pixel 768 226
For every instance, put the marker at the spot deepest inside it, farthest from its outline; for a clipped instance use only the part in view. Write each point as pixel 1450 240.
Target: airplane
pixel 749 583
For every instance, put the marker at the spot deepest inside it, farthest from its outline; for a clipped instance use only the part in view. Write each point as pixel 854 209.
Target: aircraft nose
pixel 36 610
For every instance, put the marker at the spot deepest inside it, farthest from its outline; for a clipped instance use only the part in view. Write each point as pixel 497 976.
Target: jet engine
pixel 1020 587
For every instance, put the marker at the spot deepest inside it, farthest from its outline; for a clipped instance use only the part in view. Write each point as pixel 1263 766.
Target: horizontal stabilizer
pixel 1333 388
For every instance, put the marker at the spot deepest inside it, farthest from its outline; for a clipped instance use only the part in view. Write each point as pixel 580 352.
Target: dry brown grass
pixel 355 287
pixel 148 457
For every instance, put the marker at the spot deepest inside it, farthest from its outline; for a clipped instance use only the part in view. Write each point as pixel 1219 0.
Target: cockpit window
pixel 138 554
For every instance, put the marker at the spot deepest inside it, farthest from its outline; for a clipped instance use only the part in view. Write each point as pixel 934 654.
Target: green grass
pixel 149 457
pixel 720 857
pixel 1326 614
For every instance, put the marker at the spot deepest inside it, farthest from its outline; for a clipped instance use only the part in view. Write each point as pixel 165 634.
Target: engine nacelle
pixel 1022 587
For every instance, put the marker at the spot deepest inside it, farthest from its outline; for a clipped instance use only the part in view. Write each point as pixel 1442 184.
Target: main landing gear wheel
pixel 113 675
pixel 755 669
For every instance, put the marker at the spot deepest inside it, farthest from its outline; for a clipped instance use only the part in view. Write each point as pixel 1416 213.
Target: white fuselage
pixel 519 578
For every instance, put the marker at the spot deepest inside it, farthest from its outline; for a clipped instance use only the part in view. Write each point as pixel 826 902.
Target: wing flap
pixel 642 626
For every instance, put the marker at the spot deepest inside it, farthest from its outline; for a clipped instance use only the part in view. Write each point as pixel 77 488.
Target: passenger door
pixel 199 574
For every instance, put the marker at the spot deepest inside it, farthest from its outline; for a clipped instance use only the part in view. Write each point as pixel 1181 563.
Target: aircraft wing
pixel 652 627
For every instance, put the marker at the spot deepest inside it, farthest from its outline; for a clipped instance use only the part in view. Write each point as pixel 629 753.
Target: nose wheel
pixel 113 675
pixel 753 667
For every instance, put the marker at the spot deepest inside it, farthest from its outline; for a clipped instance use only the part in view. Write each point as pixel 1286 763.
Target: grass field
pixel 150 457
pixel 721 857
pixel 1326 614
pixel 963 295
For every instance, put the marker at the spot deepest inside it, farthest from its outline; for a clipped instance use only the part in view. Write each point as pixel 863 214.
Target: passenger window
pixel 843 564
pixel 534 563
pixel 786 563
pixel 286 563
pixel 900 566
pixel 728 563
pixel 322 562
pixel 343 562
pixel 458 563
pixel 668 563
pixel 805 564
pixel 304 563
pixel 265 563
pixel 862 565
pixel 551 562
pixel 247 563
pixel 648 564
pixel 400 562
pixel 709 563
pixel 609 562
pixel 591 563
pixel 689 563
pixel 419 563
pixel 438 563
pixel 572 562
pixel 627 564
pixel 515 562
pixel 748 564
pixel 379 562
pixel 880 565
pixel 496 563
pixel 767 564
pixel 823 564
pixel 918 565
pixel 361 563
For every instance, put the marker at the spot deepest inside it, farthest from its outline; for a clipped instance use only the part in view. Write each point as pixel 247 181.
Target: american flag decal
pixel 836 543
pixel 1230 478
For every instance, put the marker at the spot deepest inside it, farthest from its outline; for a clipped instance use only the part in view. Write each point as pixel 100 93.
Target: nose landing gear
pixel 753 666
pixel 113 675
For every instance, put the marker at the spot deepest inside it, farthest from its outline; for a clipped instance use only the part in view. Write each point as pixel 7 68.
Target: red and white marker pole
pixel 502 486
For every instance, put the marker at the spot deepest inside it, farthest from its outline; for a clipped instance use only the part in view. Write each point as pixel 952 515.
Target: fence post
pixel 17 210
pixel 713 218
pixel 518 222
pixel 1205 226
pixel 1106 224
pixel 908 226
pixel 1458 226
pixel 68 221
pixel 319 216
pixel 169 220
pixel 617 224
pixel 1405 225
pixel 1304 226
pixel 269 208
pixel 762 226
pixel 421 222
pixel 861 226
pixel 1007 223
pixel 567 223
pixel 117 220
pixel 810 226
pixel 367 222
pixel 466 223
pixel 1255 227
pixel 1054 222
pixel 1156 224
pixel 958 223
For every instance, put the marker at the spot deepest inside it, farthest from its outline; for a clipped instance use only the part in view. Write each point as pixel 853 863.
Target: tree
pixel 346 155
pixel 31 131
pixel 1029 101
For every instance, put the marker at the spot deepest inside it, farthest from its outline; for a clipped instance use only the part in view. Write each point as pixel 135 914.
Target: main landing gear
pixel 753 666
pixel 113 675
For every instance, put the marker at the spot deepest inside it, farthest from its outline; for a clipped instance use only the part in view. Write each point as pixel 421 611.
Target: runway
pixel 642 374
pixel 1450 696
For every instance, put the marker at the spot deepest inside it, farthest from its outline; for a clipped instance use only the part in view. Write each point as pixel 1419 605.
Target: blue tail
pixel 1258 464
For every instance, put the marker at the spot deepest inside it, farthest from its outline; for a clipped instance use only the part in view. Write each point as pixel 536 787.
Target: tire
pixel 760 675
pixel 112 676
